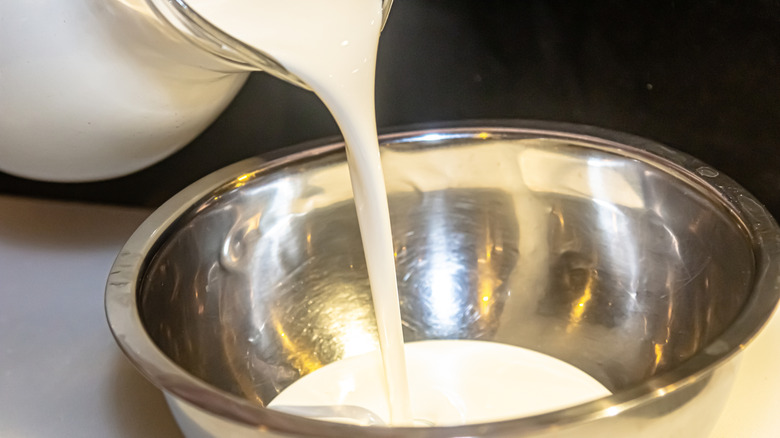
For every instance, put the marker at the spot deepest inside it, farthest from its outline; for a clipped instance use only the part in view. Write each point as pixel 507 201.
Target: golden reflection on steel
pixel 304 360
pixel 486 288
pixel 351 322
pixel 486 276
pixel 309 246
pixel 559 216
pixel 580 306
pixel 658 350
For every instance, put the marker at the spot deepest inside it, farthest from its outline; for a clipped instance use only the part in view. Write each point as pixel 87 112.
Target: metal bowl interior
pixel 637 264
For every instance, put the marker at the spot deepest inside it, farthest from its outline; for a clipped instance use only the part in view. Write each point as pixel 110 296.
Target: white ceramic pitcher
pixel 95 89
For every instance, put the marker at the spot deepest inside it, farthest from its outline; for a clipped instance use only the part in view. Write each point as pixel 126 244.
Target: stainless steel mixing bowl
pixel 640 265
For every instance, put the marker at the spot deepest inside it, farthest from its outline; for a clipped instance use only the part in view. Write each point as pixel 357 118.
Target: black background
pixel 700 76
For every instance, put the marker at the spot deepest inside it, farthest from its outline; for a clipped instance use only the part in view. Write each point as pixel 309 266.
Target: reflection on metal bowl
pixel 635 263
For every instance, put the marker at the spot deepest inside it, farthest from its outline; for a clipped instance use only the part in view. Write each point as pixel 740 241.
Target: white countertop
pixel 61 374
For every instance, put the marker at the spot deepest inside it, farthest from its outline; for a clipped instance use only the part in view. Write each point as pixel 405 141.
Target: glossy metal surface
pixel 635 263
